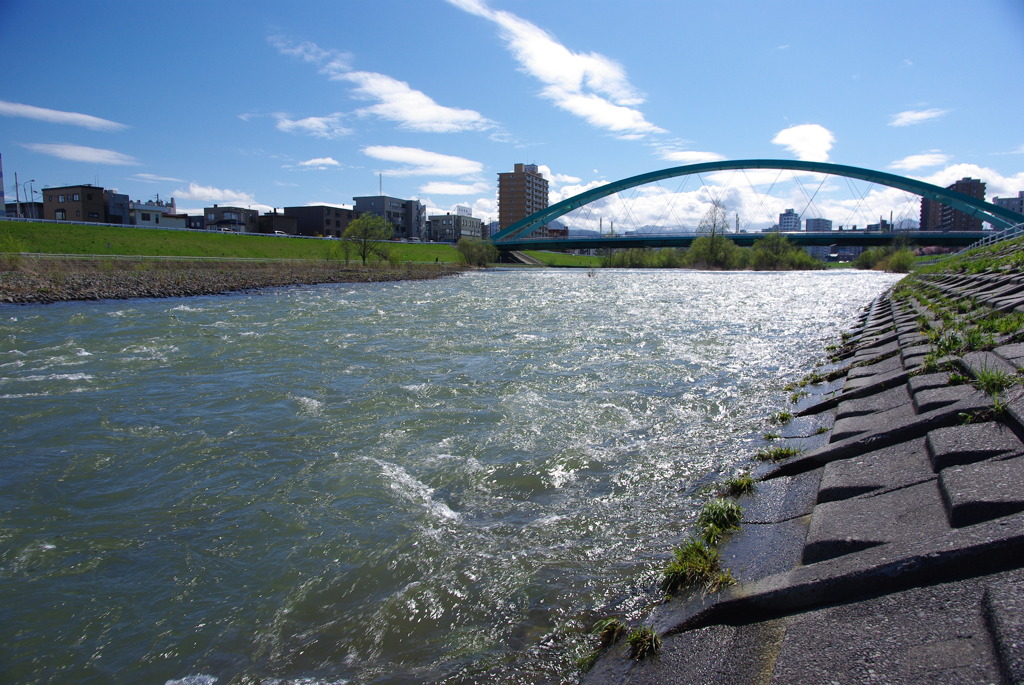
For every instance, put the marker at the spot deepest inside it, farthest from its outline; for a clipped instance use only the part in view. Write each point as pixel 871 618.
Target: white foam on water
pixel 310 405
pixel 413 490
pixel 193 680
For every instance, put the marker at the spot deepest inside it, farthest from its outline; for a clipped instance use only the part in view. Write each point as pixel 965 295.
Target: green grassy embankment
pixel 560 259
pixel 75 239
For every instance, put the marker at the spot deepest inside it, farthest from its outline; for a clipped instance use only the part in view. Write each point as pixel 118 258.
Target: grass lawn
pixel 18 236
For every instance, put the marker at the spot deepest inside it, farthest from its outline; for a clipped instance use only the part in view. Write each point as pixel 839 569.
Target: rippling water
pixel 404 482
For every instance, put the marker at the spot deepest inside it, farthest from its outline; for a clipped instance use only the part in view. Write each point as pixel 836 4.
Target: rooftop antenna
pixel 380 184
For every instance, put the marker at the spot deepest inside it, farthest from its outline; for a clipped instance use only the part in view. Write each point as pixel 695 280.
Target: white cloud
pixel 328 204
pixel 422 162
pixel 567 191
pixel 81 153
pixel 689 156
pixel 933 158
pixel 911 117
pixel 218 195
pixel 996 185
pixel 320 163
pixel 328 127
pixel 588 85
pixel 153 178
pixel 556 179
pixel 412 109
pixel 809 142
pixel 396 100
pixel 53 116
pixel 446 188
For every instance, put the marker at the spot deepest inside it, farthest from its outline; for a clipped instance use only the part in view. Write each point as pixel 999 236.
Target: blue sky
pixel 272 104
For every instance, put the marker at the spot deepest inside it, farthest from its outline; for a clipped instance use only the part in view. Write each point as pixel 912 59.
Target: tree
pixel 368 234
pixel 714 222
pixel 774 252
pixel 714 252
pixel 477 252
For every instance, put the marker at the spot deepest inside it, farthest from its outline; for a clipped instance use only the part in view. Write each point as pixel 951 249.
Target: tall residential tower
pixel 521 193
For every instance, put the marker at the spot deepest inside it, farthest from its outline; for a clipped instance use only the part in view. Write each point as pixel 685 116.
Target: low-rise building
pixel 450 228
pixel 75 203
pixel 235 219
pixel 408 218
pixel 1014 204
pixel 327 221
pixel 155 214
pixel 272 222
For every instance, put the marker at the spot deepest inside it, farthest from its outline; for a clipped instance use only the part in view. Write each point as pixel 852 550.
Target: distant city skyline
pixel 261 104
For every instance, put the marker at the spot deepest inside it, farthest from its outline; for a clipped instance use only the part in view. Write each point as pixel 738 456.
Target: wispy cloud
pixel 927 159
pixel 588 85
pixel 916 116
pixel 809 142
pixel 447 188
pixel 153 178
pixel 329 126
pixel 81 153
pixel 332 63
pixel 412 109
pixel 54 116
pixel 396 100
pixel 320 163
pixel 422 162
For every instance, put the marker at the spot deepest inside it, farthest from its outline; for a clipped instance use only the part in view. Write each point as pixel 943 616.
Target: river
pixel 412 482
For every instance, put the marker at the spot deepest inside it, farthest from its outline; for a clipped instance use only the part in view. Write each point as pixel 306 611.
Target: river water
pixel 438 481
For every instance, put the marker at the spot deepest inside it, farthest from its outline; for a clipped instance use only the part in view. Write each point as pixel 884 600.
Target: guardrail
pixel 162 228
pixel 166 258
pixel 1005 234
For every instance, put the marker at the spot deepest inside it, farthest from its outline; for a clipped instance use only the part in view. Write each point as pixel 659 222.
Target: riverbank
pixel 886 543
pixel 25 280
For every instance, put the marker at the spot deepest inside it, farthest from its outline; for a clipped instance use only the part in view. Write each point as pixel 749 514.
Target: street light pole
pixel 32 199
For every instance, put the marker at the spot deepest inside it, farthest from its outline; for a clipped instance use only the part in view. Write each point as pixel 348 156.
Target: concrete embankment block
pixel 894 552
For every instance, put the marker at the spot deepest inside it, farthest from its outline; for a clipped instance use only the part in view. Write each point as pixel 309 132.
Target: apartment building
pixel 407 217
pixel 521 192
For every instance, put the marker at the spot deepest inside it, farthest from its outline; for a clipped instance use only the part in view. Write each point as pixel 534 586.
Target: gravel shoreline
pixel 27 280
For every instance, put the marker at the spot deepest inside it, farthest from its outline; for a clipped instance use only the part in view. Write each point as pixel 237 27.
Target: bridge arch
pixel 999 217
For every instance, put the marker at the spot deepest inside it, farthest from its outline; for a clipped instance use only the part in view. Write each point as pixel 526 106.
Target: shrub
pixel 476 252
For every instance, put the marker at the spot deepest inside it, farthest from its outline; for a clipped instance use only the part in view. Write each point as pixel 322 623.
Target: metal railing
pixel 994 238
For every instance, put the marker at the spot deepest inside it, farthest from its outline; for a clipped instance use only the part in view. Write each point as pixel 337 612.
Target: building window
pixel 60 214
pixel 145 216
pixel 60 198
pixel 76 197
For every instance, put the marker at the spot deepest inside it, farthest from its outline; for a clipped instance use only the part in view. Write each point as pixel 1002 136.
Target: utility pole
pixel 17 198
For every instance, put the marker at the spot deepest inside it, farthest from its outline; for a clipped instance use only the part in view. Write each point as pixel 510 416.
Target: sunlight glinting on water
pixel 404 482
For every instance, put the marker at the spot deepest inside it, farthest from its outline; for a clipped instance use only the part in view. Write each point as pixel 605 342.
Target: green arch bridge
pixel 518 235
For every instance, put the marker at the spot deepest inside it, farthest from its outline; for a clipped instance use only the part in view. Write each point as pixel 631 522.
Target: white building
pixel 789 221
pixel 1014 204
pixel 155 214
